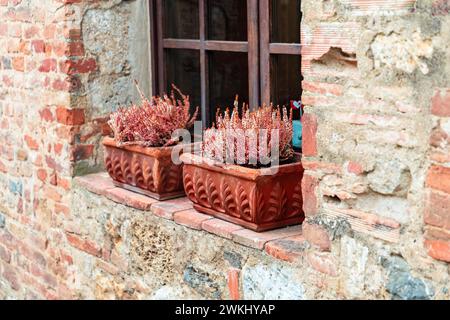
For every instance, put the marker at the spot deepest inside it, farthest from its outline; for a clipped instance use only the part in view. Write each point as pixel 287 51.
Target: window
pixel 215 49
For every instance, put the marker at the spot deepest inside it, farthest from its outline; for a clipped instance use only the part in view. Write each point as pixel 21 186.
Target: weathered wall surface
pixel 116 36
pixel 64 65
pixel 376 189
pixel 141 256
pixel 376 74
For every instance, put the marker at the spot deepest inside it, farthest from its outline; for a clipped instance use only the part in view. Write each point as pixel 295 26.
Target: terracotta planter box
pixel 148 171
pixel 243 195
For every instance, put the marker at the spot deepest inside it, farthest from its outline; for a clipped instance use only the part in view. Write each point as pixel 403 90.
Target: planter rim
pixel 156 152
pixel 236 170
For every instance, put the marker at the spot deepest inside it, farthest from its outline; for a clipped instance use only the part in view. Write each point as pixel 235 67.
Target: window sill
pixel 286 244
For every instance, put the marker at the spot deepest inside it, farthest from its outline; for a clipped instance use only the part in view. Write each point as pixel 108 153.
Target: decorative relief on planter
pixel 148 171
pixel 244 196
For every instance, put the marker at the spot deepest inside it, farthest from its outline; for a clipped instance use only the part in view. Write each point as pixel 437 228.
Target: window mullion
pixel 253 53
pixel 160 47
pixel 264 40
pixel 203 65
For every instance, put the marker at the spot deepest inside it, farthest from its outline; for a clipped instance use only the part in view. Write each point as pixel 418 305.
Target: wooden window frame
pixel 258 47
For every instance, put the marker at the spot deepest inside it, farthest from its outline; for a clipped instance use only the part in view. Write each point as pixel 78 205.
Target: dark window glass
pixel 285 79
pixel 286 18
pixel 227 20
pixel 228 73
pixel 183 70
pixel 181 19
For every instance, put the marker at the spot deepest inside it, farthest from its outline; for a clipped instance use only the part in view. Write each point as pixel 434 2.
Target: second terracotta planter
pixel 149 171
pixel 245 196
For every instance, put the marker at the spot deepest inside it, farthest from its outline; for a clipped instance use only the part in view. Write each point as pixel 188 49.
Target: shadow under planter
pixel 243 195
pixel 148 171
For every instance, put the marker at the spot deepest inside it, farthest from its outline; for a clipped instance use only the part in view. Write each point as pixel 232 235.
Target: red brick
pixel 438 137
pixel 48 65
pixel 323 262
pixel 355 168
pixel 436 233
pixel 18 64
pixel 367 223
pixel 3 167
pixel 24 47
pixel 191 219
pixel 318 41
pixel 167 209
pixel 97 183
pixel 233 284
pixel 257 240
pixel 288 249
pixel 5 254
pixel 46 277
pixel 317 236
pixel 371 7
pixel 31 32
pixel 439 178
pixel 31 143
pixel 52 193
pixel 221 228
pixel 61 85
pixel 70 116
pixel 53 179
pixel 309 135
pixel 53 164
pixel 107 267
pixel 49 31
pixel 42 175
pixel 440 157
pixel 441 103
pixel 438 249
pixel 74 34
pixel 58 147
pixel 437 211
pixel 66 184
pixel 46 114
pixel 322 166
pixel 38 46
pixel 76 49
pixel 309 189
pixel 323 88
pixel 130 199
pixel 119 261
pixel 60 49
pixel 10 275
pixel 3 29
pixel 72 67
pixel 62 209
pixel 84 245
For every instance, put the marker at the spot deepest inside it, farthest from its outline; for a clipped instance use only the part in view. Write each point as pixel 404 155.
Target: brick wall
pixel 437 203
pixel 41 55
pixel 54 100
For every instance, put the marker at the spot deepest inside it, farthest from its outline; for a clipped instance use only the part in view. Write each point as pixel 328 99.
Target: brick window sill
pixel 286 244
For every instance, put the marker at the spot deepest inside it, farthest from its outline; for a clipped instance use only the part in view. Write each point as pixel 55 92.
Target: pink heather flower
pixel 152 123
pixel 247 129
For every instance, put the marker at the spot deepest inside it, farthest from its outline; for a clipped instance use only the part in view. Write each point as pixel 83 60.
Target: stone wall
pixel 376 88
pixel 149 253
pixel 376 189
